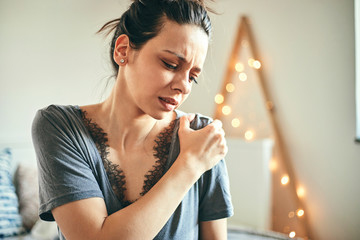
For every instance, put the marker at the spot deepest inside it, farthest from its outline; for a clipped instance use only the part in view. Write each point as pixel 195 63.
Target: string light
pixel 239 67
pixel 226 110
pixel 285 180
pixel 235 122
pixel 251 62
pixel 249 135
pixel 300 191
pixel 256 64
pixel 243 77
pixel 230 87
pixel 273 165
pixel 300 212
pixel 219 99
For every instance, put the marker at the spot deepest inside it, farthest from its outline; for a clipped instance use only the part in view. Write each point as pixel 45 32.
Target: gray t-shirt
pixel 71 168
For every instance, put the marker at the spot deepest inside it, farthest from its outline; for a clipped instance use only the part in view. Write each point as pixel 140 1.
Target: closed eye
pixel 173 67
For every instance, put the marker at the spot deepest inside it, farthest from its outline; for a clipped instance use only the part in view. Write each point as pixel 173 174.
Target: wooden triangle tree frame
pixel 279 151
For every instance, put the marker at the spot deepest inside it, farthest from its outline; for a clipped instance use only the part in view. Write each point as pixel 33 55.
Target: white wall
pixel 49 54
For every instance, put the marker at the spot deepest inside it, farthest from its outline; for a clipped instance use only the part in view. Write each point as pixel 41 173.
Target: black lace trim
pixel 161 153
pixel 115 174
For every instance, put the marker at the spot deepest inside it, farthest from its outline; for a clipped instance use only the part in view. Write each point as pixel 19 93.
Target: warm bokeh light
pixel 292 234
pixel 230 87
pixel 273 164
pixel 249 135
pixel 243 77
pixel 285 180
pixel 251 62
pixel 256 64
pixel 219 98
pixel 300 191
pixel 226 110
pixel 239 67
pixel 291 214
pixel 235 122
pixel 300 212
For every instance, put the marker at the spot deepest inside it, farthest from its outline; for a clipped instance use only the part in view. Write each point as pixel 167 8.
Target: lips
pixel 171 101
pixel 169 104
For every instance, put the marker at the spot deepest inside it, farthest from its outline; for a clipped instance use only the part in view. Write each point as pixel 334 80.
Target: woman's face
pixel 160 75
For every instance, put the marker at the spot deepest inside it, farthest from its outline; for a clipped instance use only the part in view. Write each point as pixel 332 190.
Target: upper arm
pixel 214 230
pixel 65 174
pixel 82 219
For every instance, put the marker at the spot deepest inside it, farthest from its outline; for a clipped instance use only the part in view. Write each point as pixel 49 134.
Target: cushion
pixel 44 230
pixel 27 189
pixel 10 219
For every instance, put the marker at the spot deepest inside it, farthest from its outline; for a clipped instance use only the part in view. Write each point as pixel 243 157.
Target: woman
pixel 134 167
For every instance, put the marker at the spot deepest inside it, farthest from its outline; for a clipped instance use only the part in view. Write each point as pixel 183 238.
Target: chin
pixel 161 115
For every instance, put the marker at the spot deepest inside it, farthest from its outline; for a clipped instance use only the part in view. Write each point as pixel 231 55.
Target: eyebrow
pixel 182 58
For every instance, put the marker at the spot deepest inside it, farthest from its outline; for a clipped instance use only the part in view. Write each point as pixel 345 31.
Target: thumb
pixel 185 121
pixel 190 117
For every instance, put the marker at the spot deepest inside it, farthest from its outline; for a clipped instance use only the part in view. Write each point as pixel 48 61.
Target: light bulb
pixel 230 87
pixel 300 191
pixel 235 122
pixel 251 62
pixel 285 180
pixel 219 98
pixel 292 234
pixel 300 212
pixel 226 110
pixel 273 165
pixel 243 76
pixel 249 135
pixel 239 67
pixel 256 64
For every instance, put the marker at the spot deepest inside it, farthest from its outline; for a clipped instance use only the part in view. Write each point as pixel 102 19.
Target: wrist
pixel 185 163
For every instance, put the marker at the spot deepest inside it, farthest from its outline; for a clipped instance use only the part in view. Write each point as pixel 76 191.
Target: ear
pixel 121 49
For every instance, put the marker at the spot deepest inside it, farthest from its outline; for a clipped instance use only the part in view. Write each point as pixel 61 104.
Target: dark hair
pixel 145 18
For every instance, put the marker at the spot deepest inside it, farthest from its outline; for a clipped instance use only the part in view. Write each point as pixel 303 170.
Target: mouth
pixel 168 103
pixel 171 101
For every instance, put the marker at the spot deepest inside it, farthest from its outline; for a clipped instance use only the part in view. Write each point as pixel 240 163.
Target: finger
pixel 184 123
pixel 217 123
pixel 190 117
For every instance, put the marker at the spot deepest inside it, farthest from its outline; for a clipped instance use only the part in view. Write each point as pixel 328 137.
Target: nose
pixel 182 83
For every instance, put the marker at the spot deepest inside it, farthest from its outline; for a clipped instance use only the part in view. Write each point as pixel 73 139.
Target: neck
pixel 126 125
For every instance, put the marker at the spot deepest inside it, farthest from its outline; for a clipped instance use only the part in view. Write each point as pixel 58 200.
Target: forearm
pixel 146 217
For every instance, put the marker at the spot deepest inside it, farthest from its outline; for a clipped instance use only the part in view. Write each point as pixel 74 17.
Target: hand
pixel 201 149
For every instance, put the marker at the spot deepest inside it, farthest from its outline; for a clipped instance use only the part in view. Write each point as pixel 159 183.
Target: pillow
pixel 27 189
pixel 44 230
pixel 10 219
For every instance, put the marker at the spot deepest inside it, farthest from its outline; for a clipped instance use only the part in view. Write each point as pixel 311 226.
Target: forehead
pixel 189 41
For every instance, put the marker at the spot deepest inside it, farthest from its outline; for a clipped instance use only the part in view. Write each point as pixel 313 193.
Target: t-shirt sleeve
pixel 215 199
pixel 64 172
